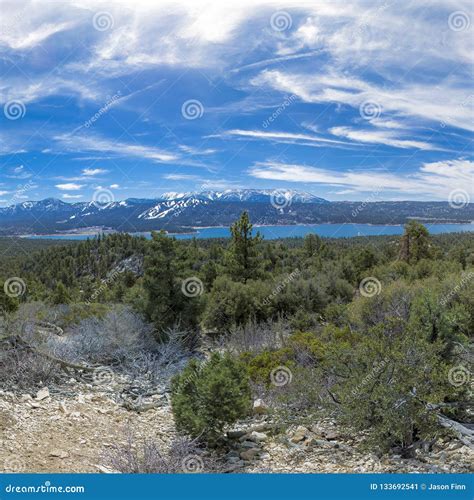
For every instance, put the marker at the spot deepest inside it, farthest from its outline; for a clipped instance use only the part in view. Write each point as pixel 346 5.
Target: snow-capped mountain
pixel 170 209
pixel 183 211
pixel 251 195
pixel 173 204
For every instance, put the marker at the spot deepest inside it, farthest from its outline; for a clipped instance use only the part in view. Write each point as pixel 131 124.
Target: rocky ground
pixel 67 429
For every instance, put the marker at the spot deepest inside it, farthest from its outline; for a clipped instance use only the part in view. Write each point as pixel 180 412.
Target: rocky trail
pixel 68 429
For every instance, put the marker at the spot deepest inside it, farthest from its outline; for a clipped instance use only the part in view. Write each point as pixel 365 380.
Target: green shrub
pixel 205 397
pixel 384 387
pixel 302 348
pixel 260 366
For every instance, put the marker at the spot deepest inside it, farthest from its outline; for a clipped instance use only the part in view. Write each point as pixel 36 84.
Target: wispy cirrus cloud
pixel 435 179
pixel 331 57
pixel 448 102
pixel 286 137
pixel 78 143
pixel 388 138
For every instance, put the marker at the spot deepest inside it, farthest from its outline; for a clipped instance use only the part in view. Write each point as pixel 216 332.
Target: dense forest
pixel 376 332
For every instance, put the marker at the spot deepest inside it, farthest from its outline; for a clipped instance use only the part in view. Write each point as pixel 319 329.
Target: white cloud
pixel 436 179
pixel 71 196
pixel 281 137
pixel 448 102
pixel 114 186
pixel 387 138
pixel 93 171
pixel 15 39
pixel 78 143
pixel 19 172
pixel 69 186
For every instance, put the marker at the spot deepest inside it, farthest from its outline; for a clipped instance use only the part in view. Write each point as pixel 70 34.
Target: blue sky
pixel 357 100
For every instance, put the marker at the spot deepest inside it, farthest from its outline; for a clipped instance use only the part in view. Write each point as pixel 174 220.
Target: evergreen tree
pixel 60 294
pixel 161 285
pixel 208 396
pixel 415 242
pixel 242 259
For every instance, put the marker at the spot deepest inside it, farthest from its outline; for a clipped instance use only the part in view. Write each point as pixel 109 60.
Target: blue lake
pixel 274 232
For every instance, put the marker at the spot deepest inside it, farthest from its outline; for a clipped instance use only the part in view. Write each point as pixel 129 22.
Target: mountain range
pixel 178 212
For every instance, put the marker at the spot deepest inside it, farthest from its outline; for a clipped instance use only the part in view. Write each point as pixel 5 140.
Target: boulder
pixel 257 436
pixel 236 434
pixel 331 435
pixel 247 444
pixel 42 394
pixel 249 454
pixel 300 434
pixel 259 407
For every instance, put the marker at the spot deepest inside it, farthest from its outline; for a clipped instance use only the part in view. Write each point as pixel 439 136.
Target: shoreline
pixel 197 229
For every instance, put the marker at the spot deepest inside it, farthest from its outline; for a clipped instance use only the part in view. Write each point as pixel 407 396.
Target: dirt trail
pixel 70 434
pixel 65 432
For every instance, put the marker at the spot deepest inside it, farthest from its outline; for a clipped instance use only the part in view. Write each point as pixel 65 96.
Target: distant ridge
pixel 179 212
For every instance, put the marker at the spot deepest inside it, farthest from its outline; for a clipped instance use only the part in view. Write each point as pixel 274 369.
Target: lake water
pixel 274 232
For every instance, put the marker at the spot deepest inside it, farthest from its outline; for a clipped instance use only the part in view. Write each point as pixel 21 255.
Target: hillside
pixel 178 212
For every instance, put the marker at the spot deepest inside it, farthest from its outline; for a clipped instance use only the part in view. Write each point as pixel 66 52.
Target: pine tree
pixel 60 294
pixel 415 242
pixel 160 281
pixel 242 259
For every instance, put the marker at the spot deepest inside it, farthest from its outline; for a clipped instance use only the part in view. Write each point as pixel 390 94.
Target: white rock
pixel 259 407
pixel 258 436
pixel 42 394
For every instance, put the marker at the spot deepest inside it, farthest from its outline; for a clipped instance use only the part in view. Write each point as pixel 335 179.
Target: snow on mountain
pixel 168 205
pixel 176 203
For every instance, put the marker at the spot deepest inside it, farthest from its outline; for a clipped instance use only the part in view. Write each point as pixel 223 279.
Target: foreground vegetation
pixel 375 332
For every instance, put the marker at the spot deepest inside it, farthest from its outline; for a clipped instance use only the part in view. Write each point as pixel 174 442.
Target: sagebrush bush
pixel 20 368
pixel 205 397
pixel 119 335
pixel 147 456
